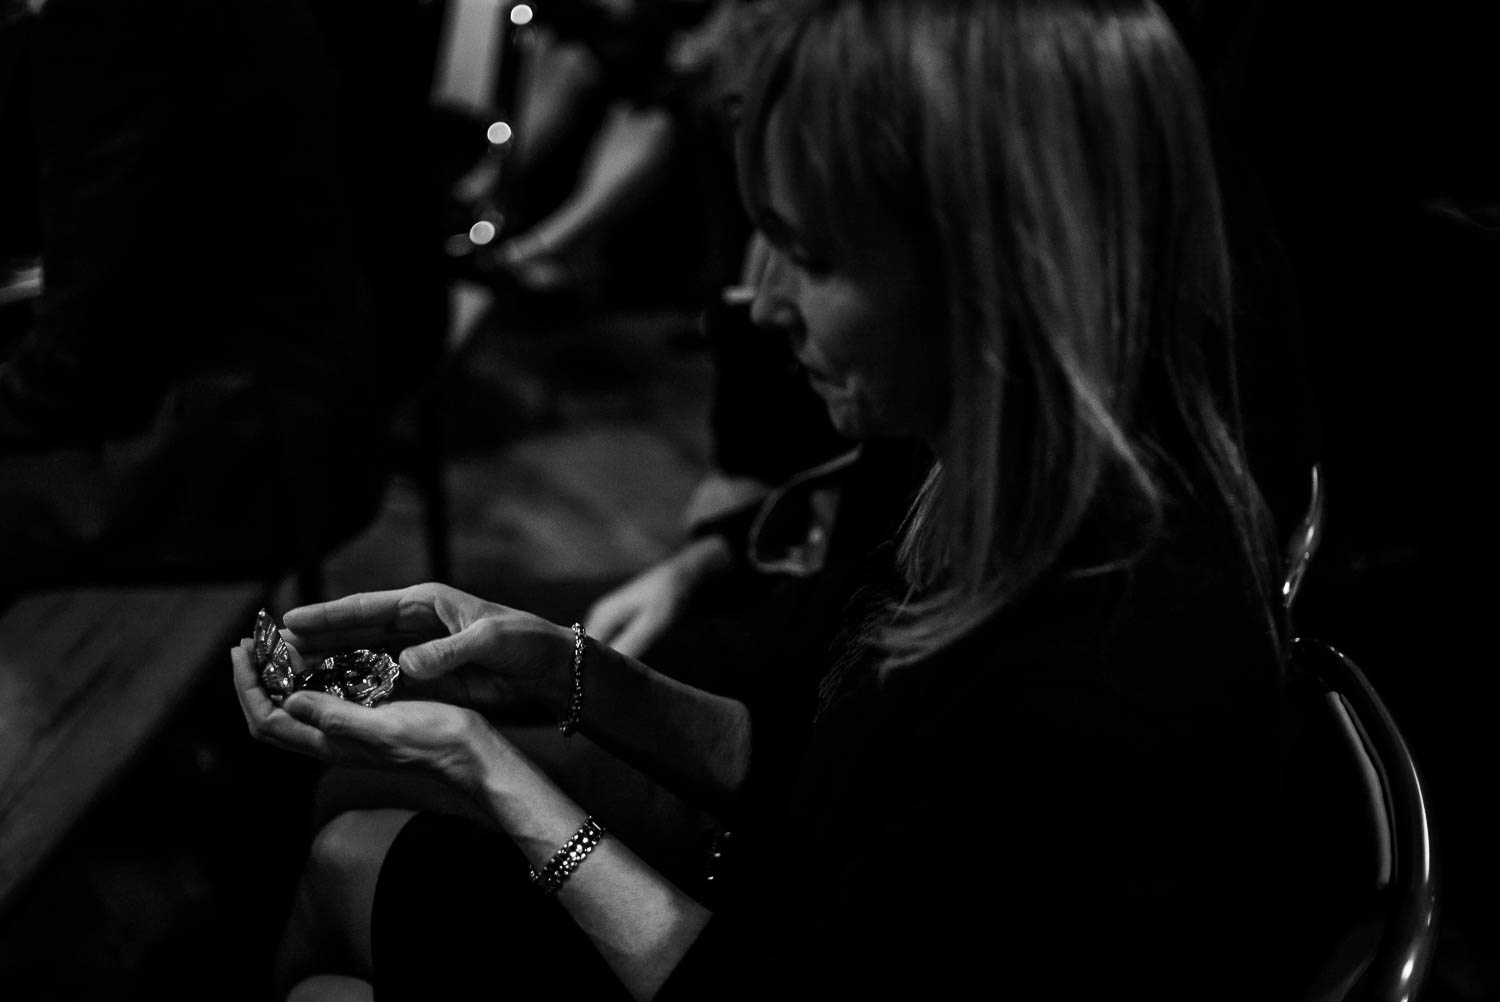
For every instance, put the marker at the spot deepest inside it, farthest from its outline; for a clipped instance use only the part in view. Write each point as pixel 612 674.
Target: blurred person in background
pixel 198 315
pixel 609 124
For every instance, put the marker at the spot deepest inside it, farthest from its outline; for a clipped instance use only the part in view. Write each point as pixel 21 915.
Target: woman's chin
pixel 847 418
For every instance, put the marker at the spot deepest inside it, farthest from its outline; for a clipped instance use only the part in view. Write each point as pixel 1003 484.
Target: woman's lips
pixel 822 384
pixel 813 372
pixel 817 376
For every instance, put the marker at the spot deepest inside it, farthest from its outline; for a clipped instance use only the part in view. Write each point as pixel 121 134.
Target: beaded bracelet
pixel 566 859
pixel 569 724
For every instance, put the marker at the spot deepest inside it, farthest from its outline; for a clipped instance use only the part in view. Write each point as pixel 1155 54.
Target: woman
pixel 1042 756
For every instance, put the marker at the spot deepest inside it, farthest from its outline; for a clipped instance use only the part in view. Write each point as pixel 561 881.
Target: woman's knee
pixel 344 860
pixel 331 988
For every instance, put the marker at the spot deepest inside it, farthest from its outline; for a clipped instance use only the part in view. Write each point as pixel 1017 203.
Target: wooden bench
pixel 87 678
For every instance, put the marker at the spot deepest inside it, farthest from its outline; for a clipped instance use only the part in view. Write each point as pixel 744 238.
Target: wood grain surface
pixel 86 678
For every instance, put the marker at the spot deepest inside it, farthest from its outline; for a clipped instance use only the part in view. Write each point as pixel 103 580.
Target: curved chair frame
pixel 1399 962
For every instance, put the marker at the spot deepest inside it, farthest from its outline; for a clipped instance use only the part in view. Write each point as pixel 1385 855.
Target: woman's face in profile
pixel 866 330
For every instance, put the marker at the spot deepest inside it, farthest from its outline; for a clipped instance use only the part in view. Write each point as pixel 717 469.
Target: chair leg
pixel 439 558
pixel 432 484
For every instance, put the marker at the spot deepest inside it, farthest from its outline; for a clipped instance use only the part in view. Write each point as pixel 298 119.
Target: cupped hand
pixel 434 737
pixel 453 646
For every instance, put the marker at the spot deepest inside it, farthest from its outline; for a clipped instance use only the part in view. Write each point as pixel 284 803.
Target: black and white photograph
pixel 744 499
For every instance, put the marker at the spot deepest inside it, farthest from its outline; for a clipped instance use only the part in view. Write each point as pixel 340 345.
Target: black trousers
pixel 456 917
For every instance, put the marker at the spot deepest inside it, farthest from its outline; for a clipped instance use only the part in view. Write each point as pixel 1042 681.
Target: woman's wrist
pixel 521 800
pixel 561 641
pixel 535 656
pixel 481 761
pixel 571 720
pixel 497 765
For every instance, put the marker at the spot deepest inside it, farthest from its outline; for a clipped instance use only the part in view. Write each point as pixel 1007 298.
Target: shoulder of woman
pixel 1179 625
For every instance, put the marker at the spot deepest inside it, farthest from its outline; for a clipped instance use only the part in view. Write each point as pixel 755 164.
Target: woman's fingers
pixel 365 731
pixel 473 644
pixel 254 703
pixel 379 619
pixel 327 714
pixel 266 721
pixel 366 610
pixel 316 646
pixel 402 733
pixel 333 730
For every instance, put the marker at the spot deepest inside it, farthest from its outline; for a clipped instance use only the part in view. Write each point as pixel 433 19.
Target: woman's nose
pixel 773 305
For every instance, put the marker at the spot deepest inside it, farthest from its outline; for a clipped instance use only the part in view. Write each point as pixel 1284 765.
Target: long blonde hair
pixel 1053 163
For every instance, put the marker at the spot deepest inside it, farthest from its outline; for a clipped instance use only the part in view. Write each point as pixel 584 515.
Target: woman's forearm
pixel 691 741
pixel 640 923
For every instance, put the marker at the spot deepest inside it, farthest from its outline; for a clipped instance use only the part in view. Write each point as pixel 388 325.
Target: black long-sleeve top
pixel 1078 798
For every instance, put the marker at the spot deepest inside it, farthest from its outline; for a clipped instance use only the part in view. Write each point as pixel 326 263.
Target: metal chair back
pixel 1385 959
pixel 1304 542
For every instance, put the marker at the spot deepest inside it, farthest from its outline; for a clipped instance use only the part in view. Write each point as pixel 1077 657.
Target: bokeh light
pixel 482 232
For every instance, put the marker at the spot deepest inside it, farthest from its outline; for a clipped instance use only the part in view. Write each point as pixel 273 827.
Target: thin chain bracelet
pixel 555 872
pixel 569 724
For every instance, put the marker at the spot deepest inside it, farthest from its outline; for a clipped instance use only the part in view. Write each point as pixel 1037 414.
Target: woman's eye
pixel 810 263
